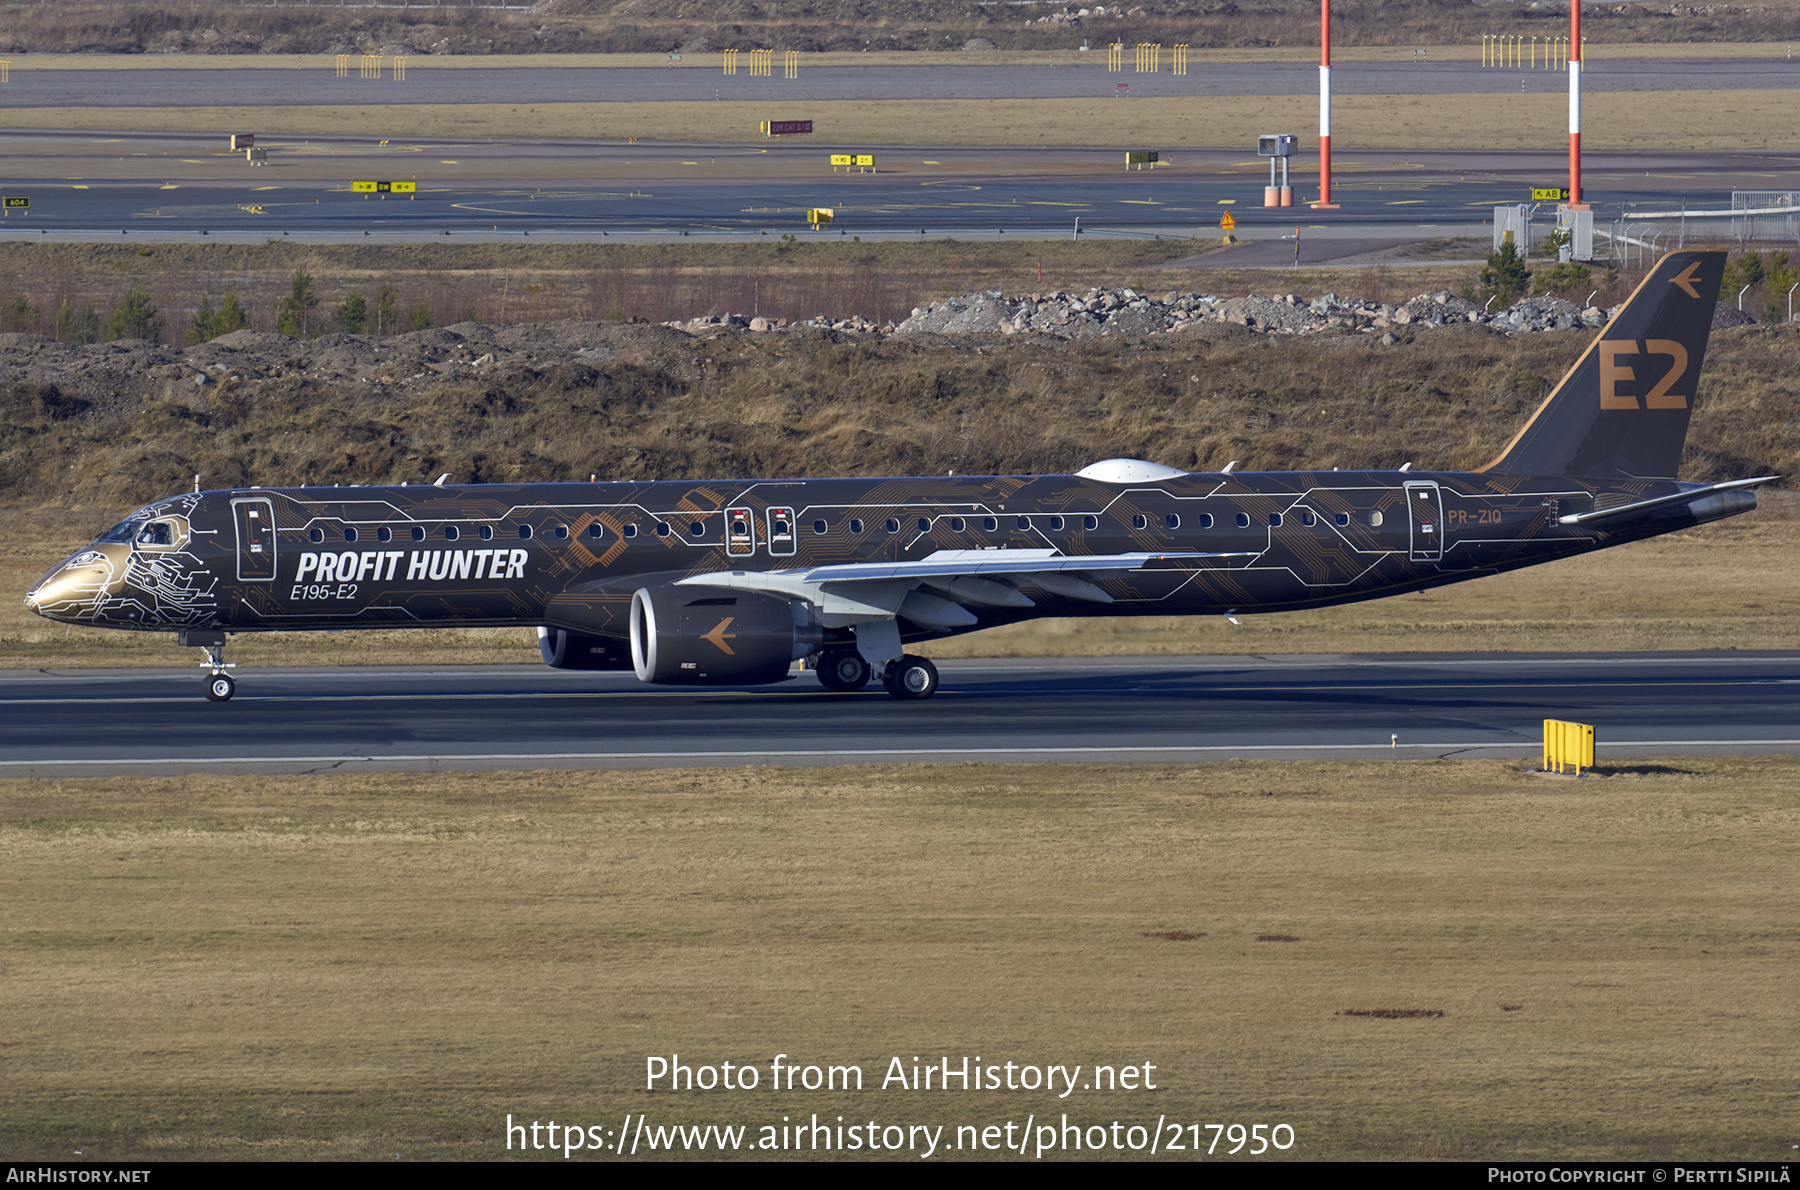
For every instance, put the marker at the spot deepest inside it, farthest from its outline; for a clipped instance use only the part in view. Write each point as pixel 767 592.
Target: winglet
pixel 1622 410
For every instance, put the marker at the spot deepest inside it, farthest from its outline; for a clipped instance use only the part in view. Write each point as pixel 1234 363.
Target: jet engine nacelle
pixel 563 649
pixel 711 636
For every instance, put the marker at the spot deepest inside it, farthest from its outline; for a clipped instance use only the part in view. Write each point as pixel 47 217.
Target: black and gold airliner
pixel 730 582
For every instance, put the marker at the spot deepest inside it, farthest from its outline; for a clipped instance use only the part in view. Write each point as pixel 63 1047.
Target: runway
pixel 1114 710
pixel 593 190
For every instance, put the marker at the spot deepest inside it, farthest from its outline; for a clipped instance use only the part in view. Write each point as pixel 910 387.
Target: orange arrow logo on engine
pixel 719 636
pixel 1686 279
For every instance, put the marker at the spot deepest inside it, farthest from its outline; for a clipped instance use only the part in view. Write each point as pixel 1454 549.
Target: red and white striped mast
pixel 1325 202
pixel 1575 202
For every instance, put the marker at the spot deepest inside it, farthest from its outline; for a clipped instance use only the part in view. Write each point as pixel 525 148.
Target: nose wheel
pixel 219 684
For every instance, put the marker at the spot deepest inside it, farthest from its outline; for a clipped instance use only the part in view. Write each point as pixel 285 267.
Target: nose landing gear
pixel 219 685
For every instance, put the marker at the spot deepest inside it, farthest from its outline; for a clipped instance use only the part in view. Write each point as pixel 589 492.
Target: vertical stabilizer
pixel 1622 411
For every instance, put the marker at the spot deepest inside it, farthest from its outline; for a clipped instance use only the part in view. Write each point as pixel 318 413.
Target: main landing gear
pixel 219 685
pixel 908 677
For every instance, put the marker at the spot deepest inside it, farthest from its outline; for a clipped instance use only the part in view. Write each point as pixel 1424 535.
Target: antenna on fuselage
pixel 1406 466
pixel 441 479
pixel 1228 467
pixel 196 481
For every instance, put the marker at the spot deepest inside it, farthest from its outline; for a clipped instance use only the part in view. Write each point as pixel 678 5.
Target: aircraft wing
pixel 1625 511
pixel 954 563
pixel 858 592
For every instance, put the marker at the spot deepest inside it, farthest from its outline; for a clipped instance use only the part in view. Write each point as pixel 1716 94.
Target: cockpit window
pixel 156 533
pixel 125 530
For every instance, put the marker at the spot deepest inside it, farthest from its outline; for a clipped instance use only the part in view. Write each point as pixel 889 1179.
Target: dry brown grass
pixel 1688 121
pixel 355 967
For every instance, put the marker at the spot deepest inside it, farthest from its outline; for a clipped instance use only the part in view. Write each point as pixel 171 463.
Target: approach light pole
pixel 1575 203
pixel 1325 203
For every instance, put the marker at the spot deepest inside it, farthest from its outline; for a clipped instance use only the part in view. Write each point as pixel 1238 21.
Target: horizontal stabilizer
pixel 1626 511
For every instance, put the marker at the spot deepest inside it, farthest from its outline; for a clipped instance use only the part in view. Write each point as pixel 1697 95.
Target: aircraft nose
pixel 72 592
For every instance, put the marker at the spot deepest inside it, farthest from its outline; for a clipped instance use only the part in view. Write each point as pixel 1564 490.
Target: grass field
pixel 1666 121
pixel 365 967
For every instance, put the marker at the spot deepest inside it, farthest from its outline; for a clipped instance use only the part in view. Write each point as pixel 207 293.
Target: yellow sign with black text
pixel 384 187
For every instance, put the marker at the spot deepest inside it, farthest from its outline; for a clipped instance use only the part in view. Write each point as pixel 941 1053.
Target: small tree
pixel 200 329
pixel 20 313
pixel 231 316
pixel 352 315
pixel 298 306
pixel 387 309
pixel 77 326
pixel 420 319
pixel 134 317
pixel 1505 275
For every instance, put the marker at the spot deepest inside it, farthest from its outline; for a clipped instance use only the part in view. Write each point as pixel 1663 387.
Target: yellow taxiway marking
pixel 79 186
pixel 1226 202
pixel 449 163
pixel 168 186
pixel 931 163
pixel 265 187
pixel 1406 202
pixel 1141 202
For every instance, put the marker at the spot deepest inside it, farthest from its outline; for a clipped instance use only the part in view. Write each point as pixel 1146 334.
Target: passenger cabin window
pixel 1206 520
pixel 1307 518
pixel 562 533
pixel 957 524
pixel 1056 524
pixel 349 534
pixel 631 530
pixel 1243 520
pixel 856 525
pixel 1140 521
pixel 524 533
pixel 1024 524
pixel 990 524
pixel 451 533
pixel 384 534
pixel 662 528
pixel 485 532
pixel 1090 523
pixel 924 524
pixel 596 530
pixel 820 526
pixel 1171 521
pixel 893 524
pixel 1274 520
pixel 315 535
pixel 697 529
pixel 1375 518
pixel 418 533
pixel 1343 518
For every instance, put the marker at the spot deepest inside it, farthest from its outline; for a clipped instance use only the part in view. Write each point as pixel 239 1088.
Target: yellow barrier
pixel 343 66
pixel 819 216
pixel 793 64
pixel 1149 57
pixel 1115 57
pixel 400 69
pixel 1567 745
pixel 731 61
pixel 762 63
pixel 1178 59
pixel 371 66
pixel 5 71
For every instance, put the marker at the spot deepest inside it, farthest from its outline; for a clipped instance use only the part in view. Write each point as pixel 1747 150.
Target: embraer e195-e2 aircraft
pixel 729 582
